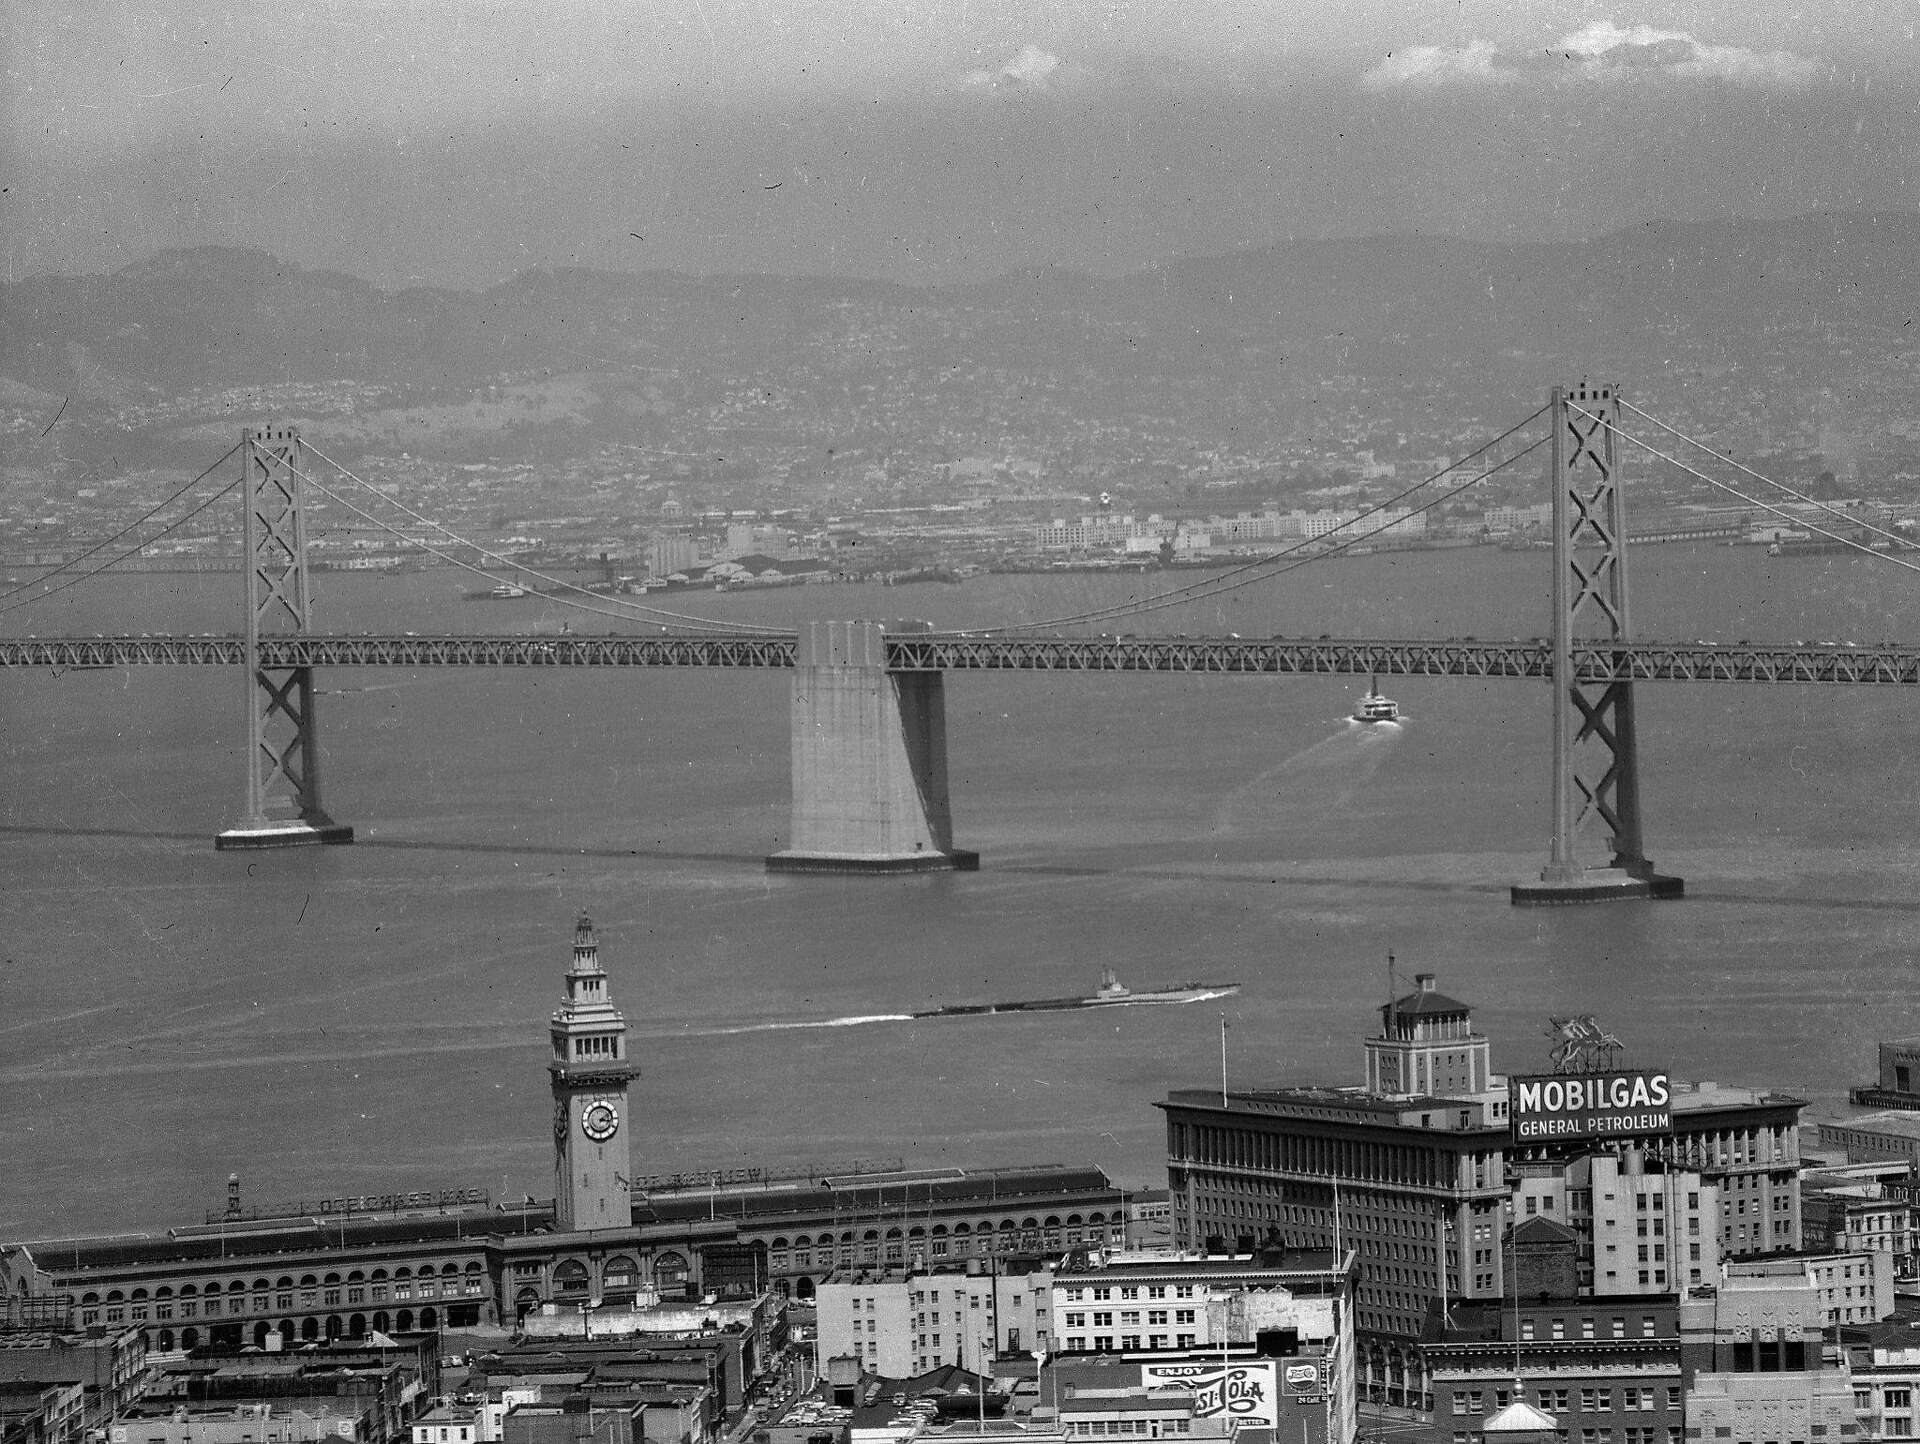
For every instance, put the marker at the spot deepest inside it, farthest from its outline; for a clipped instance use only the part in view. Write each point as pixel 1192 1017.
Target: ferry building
pixel 352 1267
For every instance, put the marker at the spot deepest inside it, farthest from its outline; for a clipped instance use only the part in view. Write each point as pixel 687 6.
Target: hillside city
pixel 874 429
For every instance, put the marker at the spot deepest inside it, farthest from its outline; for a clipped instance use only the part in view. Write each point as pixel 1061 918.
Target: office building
pixel 1416 1169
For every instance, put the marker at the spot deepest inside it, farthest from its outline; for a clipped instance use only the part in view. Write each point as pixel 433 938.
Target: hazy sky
pixel 453 141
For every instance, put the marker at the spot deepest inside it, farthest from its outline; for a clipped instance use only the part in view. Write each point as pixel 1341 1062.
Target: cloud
pixel 1477 63
pixel 1031 69
pixel 1598 52
pixel 1606 49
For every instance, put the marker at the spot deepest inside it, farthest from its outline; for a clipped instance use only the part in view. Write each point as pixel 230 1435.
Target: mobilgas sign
pixel 1548 1108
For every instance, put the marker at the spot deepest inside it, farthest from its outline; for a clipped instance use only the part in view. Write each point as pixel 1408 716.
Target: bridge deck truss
pixel 1830 664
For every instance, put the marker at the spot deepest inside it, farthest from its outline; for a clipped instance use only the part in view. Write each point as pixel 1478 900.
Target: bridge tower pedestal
pixel 1596 766
pixel 869 759
pixel 283 752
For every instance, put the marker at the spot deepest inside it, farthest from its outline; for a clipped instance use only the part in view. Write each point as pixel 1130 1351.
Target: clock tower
pixel 590 1072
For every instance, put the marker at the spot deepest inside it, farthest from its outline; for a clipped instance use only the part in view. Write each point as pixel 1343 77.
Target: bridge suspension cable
pixel 691 623
pixel 1764 505
pixel 131 526
pixel 1831 511
pixel 1248 573
pixel 131 551
pixel 638 612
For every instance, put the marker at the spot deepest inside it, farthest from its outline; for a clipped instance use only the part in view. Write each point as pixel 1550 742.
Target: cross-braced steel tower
pixel 1596 769
pixel 283 752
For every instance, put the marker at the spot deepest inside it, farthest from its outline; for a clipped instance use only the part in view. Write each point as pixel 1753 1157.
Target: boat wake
pixel 851 1021
pixel 1323 778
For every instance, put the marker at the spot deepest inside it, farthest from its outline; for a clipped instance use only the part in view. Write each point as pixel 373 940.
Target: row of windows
pixel 1104 1343
pixel 1102 1292
pixel 1103 1318
pixel 939 1230
pixel 1114 1428
pixel 163 1310
pixel 1633 1435
pixel 283 1283
pixel 1634 1398
pixel 1617 1327
pixel 895 1252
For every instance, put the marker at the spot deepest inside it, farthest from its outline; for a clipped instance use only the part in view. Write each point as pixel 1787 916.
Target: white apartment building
pixel 902 1323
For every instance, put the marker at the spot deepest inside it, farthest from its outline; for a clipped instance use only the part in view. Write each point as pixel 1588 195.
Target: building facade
pixel 1604 1369
pixel 1287 1315
pixel 1417 1170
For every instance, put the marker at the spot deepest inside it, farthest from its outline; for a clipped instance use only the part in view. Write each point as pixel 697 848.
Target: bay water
pixel 371 1018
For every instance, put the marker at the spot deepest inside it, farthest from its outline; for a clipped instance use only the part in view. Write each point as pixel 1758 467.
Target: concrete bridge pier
pixel 869 759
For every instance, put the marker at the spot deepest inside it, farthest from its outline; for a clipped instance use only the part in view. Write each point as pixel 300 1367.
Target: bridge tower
pixel 1596 759
pixel 283 751
pixel 869 759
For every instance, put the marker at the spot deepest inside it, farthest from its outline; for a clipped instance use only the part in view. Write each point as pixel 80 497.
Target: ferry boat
pixel 1111 993
pixel 1374 707
pixel 506 592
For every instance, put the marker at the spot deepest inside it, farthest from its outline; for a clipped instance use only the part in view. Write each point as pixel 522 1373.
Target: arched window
pixel 189 1338
pixel 670 1273
pixel 428 1319
pixel 570 1277
pixel 620 1276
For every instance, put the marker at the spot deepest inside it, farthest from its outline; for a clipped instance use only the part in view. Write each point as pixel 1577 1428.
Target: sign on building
pixel 1306 1381
pixel 1243 1390
pixel 1552 1107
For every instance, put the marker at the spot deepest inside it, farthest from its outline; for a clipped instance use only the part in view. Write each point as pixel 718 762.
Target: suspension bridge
pixel 869 750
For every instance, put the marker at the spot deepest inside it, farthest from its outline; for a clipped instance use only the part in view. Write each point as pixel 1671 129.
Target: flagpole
pixel 1223 1060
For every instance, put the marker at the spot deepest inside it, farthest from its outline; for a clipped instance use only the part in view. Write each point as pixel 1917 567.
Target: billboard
pixel 1306 1381
pixel 1240 1389
pixel 1553 1107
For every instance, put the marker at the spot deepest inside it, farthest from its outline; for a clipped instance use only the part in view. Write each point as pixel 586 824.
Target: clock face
pixel 600 1121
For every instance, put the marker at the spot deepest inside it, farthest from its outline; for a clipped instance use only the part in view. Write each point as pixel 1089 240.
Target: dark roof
pixel 1430 1004
pixel 864 1194
pixel 1539 1229
pixel 250 1241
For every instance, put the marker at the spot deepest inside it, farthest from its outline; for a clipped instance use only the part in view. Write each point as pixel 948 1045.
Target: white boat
pixel 506 592
pixel 1374 707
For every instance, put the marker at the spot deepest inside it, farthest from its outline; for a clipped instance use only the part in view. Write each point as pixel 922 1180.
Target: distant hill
pixel 1452 324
